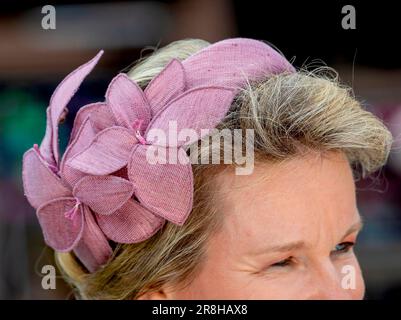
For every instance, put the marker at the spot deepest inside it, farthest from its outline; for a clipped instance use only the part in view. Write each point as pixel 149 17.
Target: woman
pixel 284 230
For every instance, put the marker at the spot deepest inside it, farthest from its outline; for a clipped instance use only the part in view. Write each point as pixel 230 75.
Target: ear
pixel 158 295
pixel 161 294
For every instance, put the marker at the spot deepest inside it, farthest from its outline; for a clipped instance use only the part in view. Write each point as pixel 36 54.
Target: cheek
pixel 242 288
pixel 220 285
pixel 209 282
pixel 220 278
pixel 359 291
pixel 217 284
pixel 220 281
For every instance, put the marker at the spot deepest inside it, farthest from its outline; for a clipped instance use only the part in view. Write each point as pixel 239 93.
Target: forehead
pixel 305 198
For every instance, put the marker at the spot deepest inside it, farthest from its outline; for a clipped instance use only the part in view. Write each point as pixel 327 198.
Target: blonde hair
pixel 285 111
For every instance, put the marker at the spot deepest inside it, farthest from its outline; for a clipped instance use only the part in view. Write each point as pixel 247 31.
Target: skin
pixel 287 233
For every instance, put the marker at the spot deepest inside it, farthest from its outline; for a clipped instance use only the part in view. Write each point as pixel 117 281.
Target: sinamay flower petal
pixel 103 194
pixel 93 249
pixel 58 102
pixel 82 140
pixel 100 114
pixel 108 152
pixel 195 109
pixel 60 233
pixel 127 102
pixel 168 84
pixel 130 224
pixel 40 183
pixel 165 189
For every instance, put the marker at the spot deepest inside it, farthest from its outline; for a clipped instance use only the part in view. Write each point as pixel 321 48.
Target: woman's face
pixel 288 233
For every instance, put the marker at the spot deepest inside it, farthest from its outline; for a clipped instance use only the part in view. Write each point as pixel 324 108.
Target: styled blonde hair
pixel 285 111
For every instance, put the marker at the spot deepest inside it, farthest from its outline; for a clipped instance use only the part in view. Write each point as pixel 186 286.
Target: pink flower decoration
pixel 65 206
pixel 164 189
pixel 104 188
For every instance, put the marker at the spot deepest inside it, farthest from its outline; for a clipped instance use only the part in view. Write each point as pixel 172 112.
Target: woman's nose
pixel 328 283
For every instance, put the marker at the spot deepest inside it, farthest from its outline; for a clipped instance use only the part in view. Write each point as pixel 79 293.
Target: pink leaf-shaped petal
pixel 199 108
pixel 82 140
pixel 60 233
pixel 58 102
pixel 130 224
pixel 103 194
pixel 165 189
pixel 108 152
pixel 40 183
pixel 233 63
pixel 93 250
pixel 46 146
pixel 168 84
pixel 101 118
pixel 127 102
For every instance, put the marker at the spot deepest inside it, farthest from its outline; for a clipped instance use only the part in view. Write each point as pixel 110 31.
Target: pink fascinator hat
pixel 103 189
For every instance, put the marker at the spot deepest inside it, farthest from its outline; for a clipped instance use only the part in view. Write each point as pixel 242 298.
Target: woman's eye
pixel 343 247
pixel 282 263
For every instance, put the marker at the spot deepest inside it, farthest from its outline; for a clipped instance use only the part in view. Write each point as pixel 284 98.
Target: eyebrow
pixel 287 247
pixel 296 245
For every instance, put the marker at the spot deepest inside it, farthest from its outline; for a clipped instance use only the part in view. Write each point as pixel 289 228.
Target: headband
pixel 103 188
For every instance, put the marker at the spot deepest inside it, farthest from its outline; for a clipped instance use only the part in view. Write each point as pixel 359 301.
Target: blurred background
pixel 34 60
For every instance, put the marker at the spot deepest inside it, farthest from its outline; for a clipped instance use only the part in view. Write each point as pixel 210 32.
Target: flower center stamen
pixel 72 213
pixel 137 131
